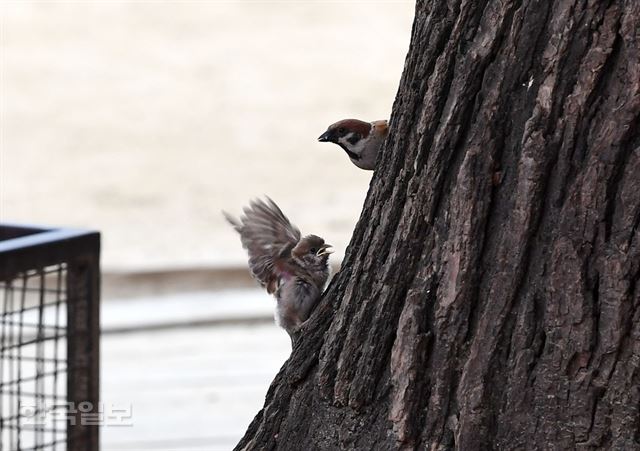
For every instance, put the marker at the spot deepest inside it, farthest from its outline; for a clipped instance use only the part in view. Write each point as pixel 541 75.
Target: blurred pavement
pixel 145 119
pixel 188 389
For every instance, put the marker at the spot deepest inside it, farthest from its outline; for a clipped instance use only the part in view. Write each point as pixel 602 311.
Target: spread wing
pixel 268 236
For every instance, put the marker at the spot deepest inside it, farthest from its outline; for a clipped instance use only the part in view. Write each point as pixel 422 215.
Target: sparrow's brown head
pixel 359 139
pixel 312 251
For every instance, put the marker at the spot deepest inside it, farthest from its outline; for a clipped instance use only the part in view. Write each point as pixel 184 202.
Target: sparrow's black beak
pixel 325 137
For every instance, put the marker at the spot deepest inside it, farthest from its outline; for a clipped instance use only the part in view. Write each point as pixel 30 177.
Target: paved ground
pixel 145 119
pixel 187 388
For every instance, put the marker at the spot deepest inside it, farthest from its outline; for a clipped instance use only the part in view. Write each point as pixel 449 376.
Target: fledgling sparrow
pixel 292 268
pixel 359 139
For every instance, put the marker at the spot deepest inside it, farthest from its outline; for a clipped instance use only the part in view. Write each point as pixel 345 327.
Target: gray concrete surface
pixel 145 119
pixel 186 387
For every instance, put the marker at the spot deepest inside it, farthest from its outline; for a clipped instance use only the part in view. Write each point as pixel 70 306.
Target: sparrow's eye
pixel 313 250
pixel 342 130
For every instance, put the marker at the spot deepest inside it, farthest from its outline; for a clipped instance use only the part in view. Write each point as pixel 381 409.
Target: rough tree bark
pixel 489 297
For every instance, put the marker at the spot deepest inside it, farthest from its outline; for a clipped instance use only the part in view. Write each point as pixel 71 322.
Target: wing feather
pixel 268 236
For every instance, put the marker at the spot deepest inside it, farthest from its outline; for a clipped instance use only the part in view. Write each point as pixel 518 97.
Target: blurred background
pixel 145 119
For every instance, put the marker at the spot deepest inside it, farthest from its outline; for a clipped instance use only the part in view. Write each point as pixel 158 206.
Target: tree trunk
pixel 488 298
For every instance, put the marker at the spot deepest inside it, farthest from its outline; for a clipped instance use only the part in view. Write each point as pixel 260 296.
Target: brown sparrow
pixel 360 140
pixel 293 268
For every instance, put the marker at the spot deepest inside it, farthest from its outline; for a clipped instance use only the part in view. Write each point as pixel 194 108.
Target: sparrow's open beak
pixel 325 137
pixel 325 250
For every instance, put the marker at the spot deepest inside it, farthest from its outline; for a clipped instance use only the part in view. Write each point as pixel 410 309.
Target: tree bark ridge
pixel 488 299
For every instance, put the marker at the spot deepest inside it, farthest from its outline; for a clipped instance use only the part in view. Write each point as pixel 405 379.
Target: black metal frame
pixel 26 250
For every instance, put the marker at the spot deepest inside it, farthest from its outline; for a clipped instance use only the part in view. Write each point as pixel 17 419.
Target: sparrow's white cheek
pixel 356 148
pixel 344 141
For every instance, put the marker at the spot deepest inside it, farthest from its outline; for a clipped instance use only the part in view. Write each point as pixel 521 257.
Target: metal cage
pixel 49 339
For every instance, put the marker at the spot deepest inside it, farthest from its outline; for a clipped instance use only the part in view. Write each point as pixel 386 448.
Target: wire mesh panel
pixel 49 341
pixel 33 360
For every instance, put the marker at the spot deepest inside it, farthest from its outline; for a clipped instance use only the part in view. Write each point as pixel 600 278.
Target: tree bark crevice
pixel 488 298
